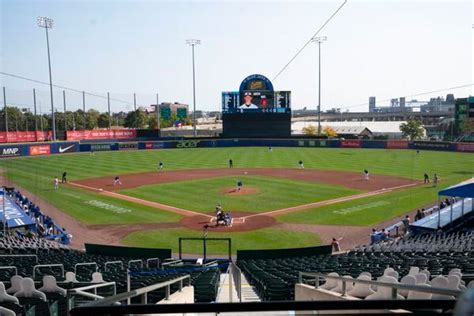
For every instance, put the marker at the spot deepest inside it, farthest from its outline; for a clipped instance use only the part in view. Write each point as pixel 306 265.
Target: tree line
pixel 79 120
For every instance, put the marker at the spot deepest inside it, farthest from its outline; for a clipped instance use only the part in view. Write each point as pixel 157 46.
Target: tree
pixel 135 119
pixel 412 129
pixel 152 122
pixel 329 131
pixel 92 118
pixel 103 120
pixel 310 130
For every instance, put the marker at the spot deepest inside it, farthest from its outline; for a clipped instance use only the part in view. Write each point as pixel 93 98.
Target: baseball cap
pixel 247 93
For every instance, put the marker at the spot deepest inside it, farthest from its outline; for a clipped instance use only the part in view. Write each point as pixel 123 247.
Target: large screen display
pixel 256 95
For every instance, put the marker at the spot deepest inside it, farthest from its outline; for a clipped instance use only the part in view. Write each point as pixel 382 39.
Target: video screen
pixel 249 101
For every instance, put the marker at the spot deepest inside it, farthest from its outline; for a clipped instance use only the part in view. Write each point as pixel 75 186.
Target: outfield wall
pixel 35 149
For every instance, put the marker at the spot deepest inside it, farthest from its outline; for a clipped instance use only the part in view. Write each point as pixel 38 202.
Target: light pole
pixel 192 43
pixel 48 23
pixel 319 40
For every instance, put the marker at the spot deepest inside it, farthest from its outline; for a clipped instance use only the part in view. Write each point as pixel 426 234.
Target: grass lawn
pixel 274 193
pixel 36 174
pixel 366 211
pixel 267 238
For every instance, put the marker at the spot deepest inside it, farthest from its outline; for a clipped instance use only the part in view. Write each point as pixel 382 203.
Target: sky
pixel 386 49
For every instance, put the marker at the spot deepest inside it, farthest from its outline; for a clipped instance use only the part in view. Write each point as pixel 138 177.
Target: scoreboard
pixel 256 110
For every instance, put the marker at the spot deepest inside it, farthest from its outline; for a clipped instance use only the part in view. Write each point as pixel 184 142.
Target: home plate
pixel 238 220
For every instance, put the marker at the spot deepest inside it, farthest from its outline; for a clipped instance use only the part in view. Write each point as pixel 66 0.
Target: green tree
pixel 412 129
pixel 103 120
pixel 152 122
pixel 92 118
pixel 135 119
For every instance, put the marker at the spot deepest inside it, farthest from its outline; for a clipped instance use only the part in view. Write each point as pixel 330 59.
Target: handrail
pixel 47 266
pixel 153 259
pixel 209 263
pixel 141 291
pixel 394 286
pixel 9 267
pixel 170 263
pixel 237 275
pixel 82 290
pixel 136 260
pixel 17 256
pixel 113 262
pixel 85 264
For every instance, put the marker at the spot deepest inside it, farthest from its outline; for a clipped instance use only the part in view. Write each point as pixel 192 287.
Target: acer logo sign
pixel 10 151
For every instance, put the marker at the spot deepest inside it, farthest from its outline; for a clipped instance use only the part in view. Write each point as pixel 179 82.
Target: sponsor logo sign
pixel 149 145
pixel 351 143
pixel 431 145
pixel 101 147
pixel 397 144
pixel 187 143
pixel 465 147
pixel 40 150
pixel 11 151
pixel 128 146
pixel 67 148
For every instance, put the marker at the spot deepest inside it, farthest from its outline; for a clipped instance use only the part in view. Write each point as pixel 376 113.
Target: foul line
pixel 141 201
pixel 329 202
pixel 270 213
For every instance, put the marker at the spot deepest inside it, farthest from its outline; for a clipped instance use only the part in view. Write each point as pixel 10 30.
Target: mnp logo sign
pixel 11 151
pixel 187 143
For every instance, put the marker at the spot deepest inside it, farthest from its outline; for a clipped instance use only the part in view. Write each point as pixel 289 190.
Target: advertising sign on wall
pixel 40 150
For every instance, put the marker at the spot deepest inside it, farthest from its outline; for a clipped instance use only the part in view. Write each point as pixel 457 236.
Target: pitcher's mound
pixel 243 191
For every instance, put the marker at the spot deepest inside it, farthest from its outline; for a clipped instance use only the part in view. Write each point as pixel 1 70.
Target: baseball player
pixel 160 165
pixel 300 163
pixel 117 181
pixel 366 174
pixel 56 183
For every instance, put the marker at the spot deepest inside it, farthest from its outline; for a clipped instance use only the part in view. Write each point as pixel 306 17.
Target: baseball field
pixel 279 206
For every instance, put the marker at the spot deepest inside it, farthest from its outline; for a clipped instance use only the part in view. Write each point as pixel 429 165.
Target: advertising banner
pixel 101 134
pixel 351 143
pixel 63 148
pixel 430 145
pixel 397 144
pixel 151 145
pixel 10 151
pixel 128 146
pixel 19 137
pixel 469 147
pixel 101 147
pixel 40 150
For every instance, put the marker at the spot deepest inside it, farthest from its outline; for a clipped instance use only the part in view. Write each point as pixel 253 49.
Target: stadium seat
pixel 5 297
pixel 384 292
pixel 15 282
pixel 416 295
pixel 6 312
pixel 408 280
pixel 50 286
pixel 442 283
pixel 361 290
pixel 330 283
pixel 27 289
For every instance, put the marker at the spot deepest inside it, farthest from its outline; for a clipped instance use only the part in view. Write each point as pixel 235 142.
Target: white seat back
pixel 384 292
pixel 421 278
pixel 97 278
pixel 71 277
pixel 330 283
pixel 15 284
pixel 453 281
pixel 6 312
pixel 413 270
pixel 5 297
pixel 361 290
pixel 50 286
pixel 339 285
pixel 393 274
pixel 408 280
pixel 442 283
pixel 27 289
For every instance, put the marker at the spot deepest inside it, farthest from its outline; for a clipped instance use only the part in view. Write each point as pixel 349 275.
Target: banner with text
pixel 101 134
pixel 24 137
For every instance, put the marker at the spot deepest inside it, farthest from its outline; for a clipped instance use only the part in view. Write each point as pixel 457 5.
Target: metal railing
pixel 168 263
pixel 151 260
pixel 83 264
pixel 395 286
pixel 60 265
pixel 136 261
pixel 82 291
pixel 140 292
pixel 108 263
pixel 237 276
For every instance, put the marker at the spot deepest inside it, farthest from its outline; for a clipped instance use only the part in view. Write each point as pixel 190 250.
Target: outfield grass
pixel 267 238
pixel 36 175
pixel 366 211
pixel 204 194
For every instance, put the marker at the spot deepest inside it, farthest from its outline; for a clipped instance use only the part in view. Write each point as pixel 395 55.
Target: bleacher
pixel 434 255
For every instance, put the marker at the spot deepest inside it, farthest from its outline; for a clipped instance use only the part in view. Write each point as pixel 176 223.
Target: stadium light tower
pixel 48 23
pixel 319 40
pixel 192 43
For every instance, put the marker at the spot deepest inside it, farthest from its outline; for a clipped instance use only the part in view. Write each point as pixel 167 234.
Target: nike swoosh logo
pixel 61 150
